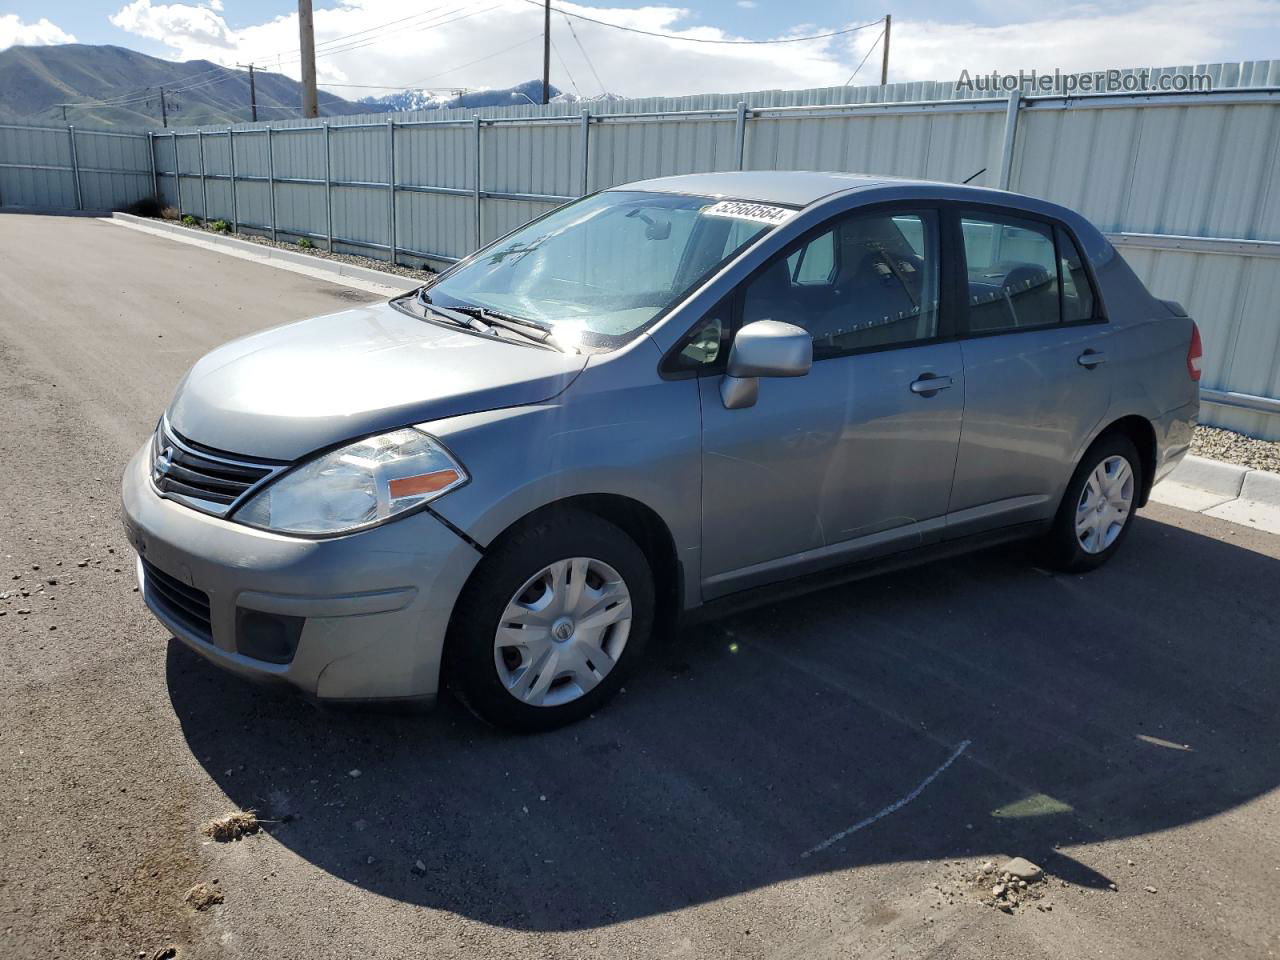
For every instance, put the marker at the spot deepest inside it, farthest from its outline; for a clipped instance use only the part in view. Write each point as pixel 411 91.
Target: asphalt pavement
pixel 816 778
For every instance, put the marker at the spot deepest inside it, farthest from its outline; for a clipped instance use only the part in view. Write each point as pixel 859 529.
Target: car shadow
pixel 742 753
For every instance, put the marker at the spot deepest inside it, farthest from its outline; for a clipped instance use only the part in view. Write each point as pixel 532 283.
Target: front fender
pixel 639 439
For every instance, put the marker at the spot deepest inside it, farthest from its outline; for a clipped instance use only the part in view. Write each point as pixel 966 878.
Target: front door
pixel 855 459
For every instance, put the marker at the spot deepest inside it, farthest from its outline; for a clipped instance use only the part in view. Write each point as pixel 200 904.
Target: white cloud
pixel 13 32
pixel 748 4
pixel 493 43
pixel 1088 38
pixel 178 25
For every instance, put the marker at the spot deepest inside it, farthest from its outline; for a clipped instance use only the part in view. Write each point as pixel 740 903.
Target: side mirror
pixel 766 348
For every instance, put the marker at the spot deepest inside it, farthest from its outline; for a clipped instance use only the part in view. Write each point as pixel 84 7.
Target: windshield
pixel 600 270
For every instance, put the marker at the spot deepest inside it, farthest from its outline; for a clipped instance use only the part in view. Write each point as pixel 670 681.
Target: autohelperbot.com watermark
pixel 1058 83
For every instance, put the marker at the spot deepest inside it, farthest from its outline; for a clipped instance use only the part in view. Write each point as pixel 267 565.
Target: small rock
pixel 418 867
pixel 1005 906
pixel 998 890
pixel 353 773
pixel 1151 889
pixel 1022 869
pixel 164 953
pixel 988 867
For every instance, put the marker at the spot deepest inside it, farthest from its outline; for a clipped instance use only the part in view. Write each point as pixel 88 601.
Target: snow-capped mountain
pixel 520 95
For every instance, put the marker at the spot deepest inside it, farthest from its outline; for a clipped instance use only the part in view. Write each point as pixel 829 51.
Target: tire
pixel 1074 550
pixel 556 668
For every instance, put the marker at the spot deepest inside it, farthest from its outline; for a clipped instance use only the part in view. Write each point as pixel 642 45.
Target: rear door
pixel 1037 380
pixel 855 459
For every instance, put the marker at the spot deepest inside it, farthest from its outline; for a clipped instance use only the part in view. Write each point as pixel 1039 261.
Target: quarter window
pixel 871 281
pixel 1012 274
pixel 1077 294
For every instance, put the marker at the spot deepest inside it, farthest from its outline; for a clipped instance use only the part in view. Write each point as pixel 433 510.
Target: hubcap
pixel 1105 503
pixel 562 632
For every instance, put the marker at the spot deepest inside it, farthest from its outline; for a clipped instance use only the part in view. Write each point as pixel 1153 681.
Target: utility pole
pixel 546 51
pixel 164 111
pixel 307 45
pixel 253 93
pixel 884 63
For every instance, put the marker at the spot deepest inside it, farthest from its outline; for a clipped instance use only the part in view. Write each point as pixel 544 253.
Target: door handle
pixel 1091 358
pixel 929 384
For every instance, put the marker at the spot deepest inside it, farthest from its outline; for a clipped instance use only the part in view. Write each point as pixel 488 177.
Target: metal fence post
pixel 1010 132
pixel 75 167
pixel 740 136
pixel 586 151
pixel 231 164
pixel 204 189
pixel 391 183
pixel 271 183
pixel 177 173
pixel 475 121
pixel 151 151
pixel 328 189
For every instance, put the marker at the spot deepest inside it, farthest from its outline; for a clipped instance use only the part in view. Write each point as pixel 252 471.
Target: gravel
pixel 369 262
pixel 1232 447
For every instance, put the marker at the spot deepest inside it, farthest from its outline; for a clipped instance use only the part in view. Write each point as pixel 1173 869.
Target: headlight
pixel 359 485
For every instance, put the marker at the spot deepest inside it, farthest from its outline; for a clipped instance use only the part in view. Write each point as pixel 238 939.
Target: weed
pixel 220 226
pixel 306 244
pixel 233 826
pixel 189 221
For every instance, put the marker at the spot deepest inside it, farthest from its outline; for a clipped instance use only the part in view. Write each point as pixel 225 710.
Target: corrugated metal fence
pixel 1187 185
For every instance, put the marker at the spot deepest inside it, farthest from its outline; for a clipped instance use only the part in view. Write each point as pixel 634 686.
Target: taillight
pixel 1194 353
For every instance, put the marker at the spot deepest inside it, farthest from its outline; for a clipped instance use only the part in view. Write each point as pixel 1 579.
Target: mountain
pixel 520 95
pixel 34 81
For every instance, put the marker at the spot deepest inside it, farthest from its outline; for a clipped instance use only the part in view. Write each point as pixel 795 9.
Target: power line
pixel 590 65
pixel 564 66
pixel 422 85
pixel 673 36
pixel 864 59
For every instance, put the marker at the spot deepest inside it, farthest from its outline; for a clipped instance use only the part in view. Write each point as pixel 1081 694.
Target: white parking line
pixel 893 807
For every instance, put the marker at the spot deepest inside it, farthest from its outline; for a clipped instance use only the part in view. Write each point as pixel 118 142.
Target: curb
pixel 258 251
pixel 1224 490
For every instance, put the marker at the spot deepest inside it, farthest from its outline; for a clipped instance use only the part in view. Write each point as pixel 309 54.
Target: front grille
pixel 201 477
pixel 187 605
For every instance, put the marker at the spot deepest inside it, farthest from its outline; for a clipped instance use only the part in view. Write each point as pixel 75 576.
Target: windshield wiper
pixel 461 318
pixel 521 325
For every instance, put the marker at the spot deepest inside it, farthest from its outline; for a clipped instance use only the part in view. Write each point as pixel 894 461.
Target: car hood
pixel 293 389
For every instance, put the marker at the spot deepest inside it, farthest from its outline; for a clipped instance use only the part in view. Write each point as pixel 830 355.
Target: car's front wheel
pixel 551 622
pixel 1098 507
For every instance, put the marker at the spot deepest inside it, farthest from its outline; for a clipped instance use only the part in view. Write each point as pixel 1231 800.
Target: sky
pixel 369 47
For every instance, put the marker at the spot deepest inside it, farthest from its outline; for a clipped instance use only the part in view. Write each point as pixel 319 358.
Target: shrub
pixel 145 207
pixel 189 221
pixel 306 244
pixel 220 226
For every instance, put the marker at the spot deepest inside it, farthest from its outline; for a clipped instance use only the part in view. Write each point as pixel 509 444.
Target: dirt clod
pixel 203 896
pixel 233 826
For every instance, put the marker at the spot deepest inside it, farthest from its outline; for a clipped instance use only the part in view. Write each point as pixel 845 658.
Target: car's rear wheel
pixel 1098 507
pixel 551 622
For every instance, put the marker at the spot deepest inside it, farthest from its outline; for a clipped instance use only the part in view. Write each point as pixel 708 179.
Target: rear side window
pixel 1077 294
pixel 1012 267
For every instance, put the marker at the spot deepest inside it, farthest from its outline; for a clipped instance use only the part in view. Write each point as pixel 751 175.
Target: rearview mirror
pixel 766 348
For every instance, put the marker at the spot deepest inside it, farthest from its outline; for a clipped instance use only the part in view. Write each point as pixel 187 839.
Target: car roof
pixel 802 188
pixel 796 188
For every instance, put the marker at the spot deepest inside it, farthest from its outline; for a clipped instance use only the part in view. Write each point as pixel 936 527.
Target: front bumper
pixel 375 604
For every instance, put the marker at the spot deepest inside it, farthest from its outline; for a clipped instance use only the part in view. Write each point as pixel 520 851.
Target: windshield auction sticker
pixel 757 212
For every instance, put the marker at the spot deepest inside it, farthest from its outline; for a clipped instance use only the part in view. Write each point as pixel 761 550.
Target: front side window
pixel 600 270
pixel 869 281
pixel 1012 273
